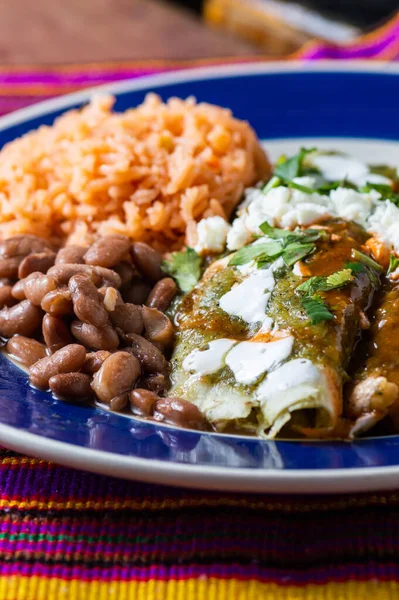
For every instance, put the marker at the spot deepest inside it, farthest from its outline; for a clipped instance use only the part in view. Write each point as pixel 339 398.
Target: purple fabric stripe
pixel 316 575
pixel 83 78
pixel 370 48
pixel 59 483
pixel 220 534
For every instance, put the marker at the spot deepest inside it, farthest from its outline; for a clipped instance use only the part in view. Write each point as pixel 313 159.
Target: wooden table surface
pixel 57 31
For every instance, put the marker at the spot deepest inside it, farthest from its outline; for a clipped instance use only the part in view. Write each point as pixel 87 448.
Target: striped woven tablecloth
pixel 77 536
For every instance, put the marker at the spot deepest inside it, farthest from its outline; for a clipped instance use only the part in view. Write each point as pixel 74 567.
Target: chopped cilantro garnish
pixel 338 279
pixel 367 261
pixel 393 264
pixel 272 183
pixel 313 304
pixel 185 268
pixel 356 267
pixel 287 237
pixel 300 187
pixel 326 284
pixel 260 252
pixel 290 168
pixel 316 309
pixel 312 285
pixel 296 251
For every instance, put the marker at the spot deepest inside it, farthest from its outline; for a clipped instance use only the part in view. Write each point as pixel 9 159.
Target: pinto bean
pixel 148 261
pixel 98 275
pixel 6 297
pixel 9 267
pixel 158 327
pixel 137 293
pixel 128 318
pixel 151 359
pixel 71 255
pixel 143 402
pixel 108 251
pixel 23 319
pixel 162 294
pixel 95 338
pixel 39 262
pixel 67 360
pixel 117 375
pixel 71 386
pixel 18 290
pixel 37 285
pixel 154 383
pixel 22 245
pixel 119 402
pixel 86 301
pixel 56 333
pixel 126 272
pixel 177 411
pixel 111 297
pixel 58 302
pixel 94 360
pixel 25 350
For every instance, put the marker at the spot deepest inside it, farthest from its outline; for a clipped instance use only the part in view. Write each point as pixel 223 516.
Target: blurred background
pixel 48 31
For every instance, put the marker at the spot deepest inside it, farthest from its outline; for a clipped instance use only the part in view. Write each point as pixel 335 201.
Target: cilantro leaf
pixel 316 309
pixel 338 279
pixel 290 168
pixel 367 261
pixel 260 252
pixel 356 267
pixel 295 251
pixel 326 284
pixel 393 264
pixel 311 285
pixel 300 187
pixel 275 233
pixel 185 268
pixel 298 235
pixel 272 183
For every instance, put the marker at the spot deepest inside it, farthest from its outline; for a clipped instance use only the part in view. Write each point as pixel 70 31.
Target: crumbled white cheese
pixel 353 206
pixel 248 299
pixel 281 207
pixel 384 222
pixel 211 235
pixel 211 360
pixel 238 235
pixel 249 360
pixel 336 167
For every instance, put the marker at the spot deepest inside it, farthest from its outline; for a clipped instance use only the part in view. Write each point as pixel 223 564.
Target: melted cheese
pixel 249 360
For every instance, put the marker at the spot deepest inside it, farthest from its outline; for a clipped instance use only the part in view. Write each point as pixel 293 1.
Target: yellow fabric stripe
pixel 38 588
pixel 302 506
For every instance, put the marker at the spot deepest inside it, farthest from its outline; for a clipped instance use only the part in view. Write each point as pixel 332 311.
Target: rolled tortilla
pixel 260 374
pixel 374 391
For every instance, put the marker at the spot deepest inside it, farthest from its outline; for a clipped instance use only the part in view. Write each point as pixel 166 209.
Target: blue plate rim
pixel 330 480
